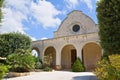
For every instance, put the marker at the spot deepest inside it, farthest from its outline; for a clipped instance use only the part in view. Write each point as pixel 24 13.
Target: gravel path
pixel 57 75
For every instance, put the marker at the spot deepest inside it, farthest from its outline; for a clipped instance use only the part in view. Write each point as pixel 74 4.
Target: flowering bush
pixel 108 69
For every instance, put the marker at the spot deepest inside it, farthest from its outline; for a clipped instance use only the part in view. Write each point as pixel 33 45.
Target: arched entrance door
pixel 50 57
pixel 68 56
pixel 91 53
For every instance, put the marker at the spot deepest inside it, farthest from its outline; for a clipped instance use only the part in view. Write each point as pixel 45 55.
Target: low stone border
pixel 17 74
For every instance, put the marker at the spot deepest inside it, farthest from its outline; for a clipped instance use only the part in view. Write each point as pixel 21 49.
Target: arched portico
pixel 68 56
pixel 77 36
pixel 50 57
pixel 91 53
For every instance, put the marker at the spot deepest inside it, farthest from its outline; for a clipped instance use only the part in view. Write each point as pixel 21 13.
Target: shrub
pixel 47 69
pixel 108 69
pixel 3 71
pixel 21 61
pixel 38 63
pixel 48 59
pixel 2 60
pixel 78 66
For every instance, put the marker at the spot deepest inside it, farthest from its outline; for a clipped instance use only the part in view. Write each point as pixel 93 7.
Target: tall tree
pixel 1 4
pixel 108 14
pixel 12 41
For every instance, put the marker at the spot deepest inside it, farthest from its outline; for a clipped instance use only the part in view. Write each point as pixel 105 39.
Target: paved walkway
pixel 57 75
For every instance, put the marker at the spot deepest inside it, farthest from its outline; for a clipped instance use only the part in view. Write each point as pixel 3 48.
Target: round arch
pixel 50 57
pixel 68 56
pixel 36 51
pixel 91 53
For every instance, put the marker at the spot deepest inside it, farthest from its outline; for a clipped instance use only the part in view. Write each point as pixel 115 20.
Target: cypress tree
pixel 108 14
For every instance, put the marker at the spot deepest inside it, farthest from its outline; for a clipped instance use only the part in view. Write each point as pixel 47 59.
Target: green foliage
pixel 47 69
pixel 12 41
pixel 38 63
pixel 108 69
pixel 108 14
pixel 1 4
pixel 2 60
pixel 3 71
pixel 21 61
pixel 78 66
pixel 48 59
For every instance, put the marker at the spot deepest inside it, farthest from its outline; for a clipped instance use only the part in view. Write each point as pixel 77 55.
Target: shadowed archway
pixel 50 57
pixel 91 53
pixel 68 56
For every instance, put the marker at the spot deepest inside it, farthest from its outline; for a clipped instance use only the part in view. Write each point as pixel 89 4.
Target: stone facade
pixel 77 36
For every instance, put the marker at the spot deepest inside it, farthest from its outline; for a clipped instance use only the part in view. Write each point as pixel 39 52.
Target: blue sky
pixel 40 18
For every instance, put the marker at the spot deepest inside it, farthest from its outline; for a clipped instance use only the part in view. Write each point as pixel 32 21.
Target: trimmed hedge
pixel 78 66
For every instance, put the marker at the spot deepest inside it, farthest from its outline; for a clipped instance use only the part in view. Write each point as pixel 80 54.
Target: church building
pixel 77 36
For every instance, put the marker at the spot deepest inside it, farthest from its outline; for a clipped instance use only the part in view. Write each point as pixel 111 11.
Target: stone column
pixel 79 52
pixel 58 59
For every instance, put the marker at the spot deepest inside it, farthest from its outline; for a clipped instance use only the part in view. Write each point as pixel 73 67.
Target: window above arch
pixel 76 28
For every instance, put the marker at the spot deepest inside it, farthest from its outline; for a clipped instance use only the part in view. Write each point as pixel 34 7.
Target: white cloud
pixel 33 39
pixel 43 38
pixel 12 21
pixel 88 3
pixel 98 0
pixel 15 12
pixel 21 5
pixel 18 10
pixel 46 13
pixel 71 4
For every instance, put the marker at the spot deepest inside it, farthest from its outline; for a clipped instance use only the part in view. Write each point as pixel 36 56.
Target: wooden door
pixel 73 56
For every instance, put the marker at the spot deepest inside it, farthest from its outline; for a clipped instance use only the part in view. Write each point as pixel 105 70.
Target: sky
pixel 40 18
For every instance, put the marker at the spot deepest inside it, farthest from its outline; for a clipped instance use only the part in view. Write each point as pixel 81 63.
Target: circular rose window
pixel 76 28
